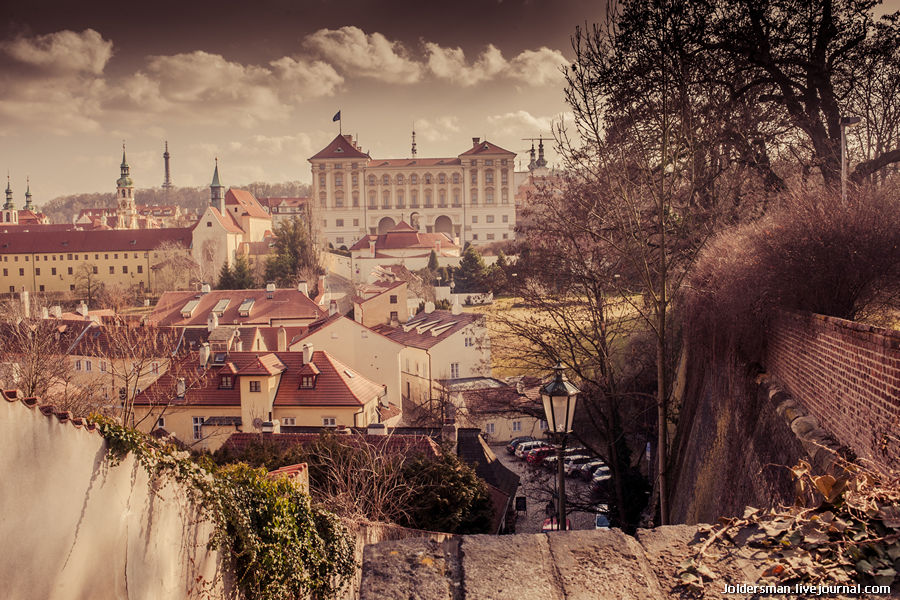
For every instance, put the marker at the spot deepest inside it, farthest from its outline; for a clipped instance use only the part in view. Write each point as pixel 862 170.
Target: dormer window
pixel 226 382
pixel 308 382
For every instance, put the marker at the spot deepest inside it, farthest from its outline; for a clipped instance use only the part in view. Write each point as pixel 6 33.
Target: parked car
pixel 524 447
pixel 536 455
pixel 573 462
pixel 552 524
pixel 586 470
pixel 598 481
pixel 601 519
pixel 511 446
pixel 549 462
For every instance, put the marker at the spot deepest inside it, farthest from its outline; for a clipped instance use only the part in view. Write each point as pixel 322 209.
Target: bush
pixel 813 253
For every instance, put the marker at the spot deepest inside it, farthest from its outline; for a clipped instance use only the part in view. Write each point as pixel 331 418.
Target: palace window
pixel 427 178
pixel 414 179
pixel 371 180
pixel 442 179
pixel 456 178
pixel 386 180
pixel 488 196
pixel 400 179
pixel 489 219
pixel 489 176
pixel 338 180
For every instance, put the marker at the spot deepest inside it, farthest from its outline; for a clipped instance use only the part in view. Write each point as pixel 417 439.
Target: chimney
pixel 204 288
pixel 332 308
pixel 372 247
pixel 429 307
pixel 282 340
pixel 238 342
pixel 82 309
pixel 376 429
pixel 303 288
pixel 273 426
pixel 26 304
pixel 45 314
pixel 520 388
pixel 56 311
pixel 475 141
pixel 455 308
pixel 307 353
pixel 321 284
pixel 450 433
pixel 270 290
pixel 212 322
pixel 204 354
pixel 180 387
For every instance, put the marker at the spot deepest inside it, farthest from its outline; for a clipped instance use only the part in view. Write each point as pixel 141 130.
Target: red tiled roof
pixel 285 305
pixel 116 341
pixel 371 291
pixel 403 445
pixel 265 364
pixel 409 333
pixel 131 240
pixel 402 237
pixel 226 221
pixel 48 410
pixel 485 147
pixel 246 203
pixel 273 201
pixel 336 384
pixel 37 227
pixel 340 147
pixel 414 162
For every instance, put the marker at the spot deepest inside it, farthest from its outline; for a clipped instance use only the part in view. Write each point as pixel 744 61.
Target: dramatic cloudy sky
pixel 256 83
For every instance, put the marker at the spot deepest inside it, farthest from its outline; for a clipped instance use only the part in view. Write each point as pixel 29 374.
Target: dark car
pixel 598 481
pixel 511 446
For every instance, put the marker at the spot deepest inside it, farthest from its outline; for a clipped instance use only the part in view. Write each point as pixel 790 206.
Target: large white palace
pixel 469 197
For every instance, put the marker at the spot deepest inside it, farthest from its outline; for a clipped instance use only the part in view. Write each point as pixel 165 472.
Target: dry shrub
pixel 811 252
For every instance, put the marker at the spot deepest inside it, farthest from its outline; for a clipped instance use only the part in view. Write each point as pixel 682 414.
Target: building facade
pixel 469 197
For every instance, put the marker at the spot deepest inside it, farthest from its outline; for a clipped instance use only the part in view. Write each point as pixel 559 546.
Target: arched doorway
pixel 385 225
pixel 443 224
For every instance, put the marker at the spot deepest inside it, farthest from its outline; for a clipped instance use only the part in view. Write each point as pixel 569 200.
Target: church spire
pixel 9 195
pixel 216 191
pixel 28 204
pixel 126 213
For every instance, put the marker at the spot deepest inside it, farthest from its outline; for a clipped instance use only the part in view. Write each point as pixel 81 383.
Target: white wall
pixel 74 527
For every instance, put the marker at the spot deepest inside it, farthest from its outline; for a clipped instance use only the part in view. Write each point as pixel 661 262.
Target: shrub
pixel 812 252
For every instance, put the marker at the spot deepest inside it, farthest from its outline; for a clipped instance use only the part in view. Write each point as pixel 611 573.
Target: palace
pixel 469 197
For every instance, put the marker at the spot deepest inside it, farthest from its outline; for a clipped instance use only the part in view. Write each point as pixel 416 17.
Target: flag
pixel 337 116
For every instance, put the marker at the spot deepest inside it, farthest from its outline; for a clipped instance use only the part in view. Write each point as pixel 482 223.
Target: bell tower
pixel 126 211
pixel 9 214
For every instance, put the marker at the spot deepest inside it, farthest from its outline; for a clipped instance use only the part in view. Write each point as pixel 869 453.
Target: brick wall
pixel 845 374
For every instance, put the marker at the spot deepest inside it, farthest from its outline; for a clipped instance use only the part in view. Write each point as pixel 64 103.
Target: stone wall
pixel 75 527
pixel 847 375
pixel 732 448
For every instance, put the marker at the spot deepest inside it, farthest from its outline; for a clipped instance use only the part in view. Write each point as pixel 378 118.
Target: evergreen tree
pixel 241 276
pixel 471 274
pixel 295 256
pixel 433 261
pixel 226 278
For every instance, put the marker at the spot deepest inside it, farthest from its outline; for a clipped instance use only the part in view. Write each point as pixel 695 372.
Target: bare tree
pixel 88 285
pixel 174 269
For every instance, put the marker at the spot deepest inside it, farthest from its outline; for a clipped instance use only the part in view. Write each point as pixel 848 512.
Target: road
pixel 538 485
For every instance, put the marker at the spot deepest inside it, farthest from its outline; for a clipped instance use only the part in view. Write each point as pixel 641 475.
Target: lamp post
pixel 845 123
pixel 559 398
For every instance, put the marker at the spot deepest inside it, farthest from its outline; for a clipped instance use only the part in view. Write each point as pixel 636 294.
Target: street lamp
pixel 845 123
pixel 559 398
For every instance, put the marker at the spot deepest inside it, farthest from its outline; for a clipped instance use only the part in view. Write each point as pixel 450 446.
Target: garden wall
pixel 847 375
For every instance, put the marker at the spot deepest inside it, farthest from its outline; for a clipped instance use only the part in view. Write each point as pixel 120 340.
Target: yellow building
pixel 207 396
pixel 51 259
pixel 469 197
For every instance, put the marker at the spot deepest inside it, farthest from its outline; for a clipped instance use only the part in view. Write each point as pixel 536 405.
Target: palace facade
pixel 469 197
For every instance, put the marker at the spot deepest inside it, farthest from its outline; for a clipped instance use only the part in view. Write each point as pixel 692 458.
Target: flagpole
pixel 340 124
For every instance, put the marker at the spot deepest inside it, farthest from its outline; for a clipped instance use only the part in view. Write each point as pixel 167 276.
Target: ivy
pixel 277 543
pixel 851 537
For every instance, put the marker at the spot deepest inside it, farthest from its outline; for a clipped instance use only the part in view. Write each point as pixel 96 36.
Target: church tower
pixel 29 205
pixel 10 214
pixel 126 211
pixel 217 191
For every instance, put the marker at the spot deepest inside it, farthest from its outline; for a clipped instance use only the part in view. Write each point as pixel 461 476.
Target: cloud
pixel 208 87
pixel 532 67
pixel 522 120
pixel 61 52
pixel 354 52
pixel 53 82
pixel 437 130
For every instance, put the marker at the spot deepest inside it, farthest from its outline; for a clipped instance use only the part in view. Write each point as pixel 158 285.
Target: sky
pixel 256 84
